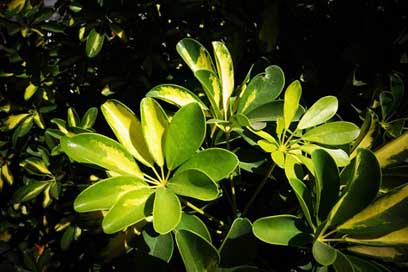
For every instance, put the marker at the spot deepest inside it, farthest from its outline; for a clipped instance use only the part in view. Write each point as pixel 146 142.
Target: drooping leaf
pixel 321 111
pixel 184 135
pixel 94 43
pixel 323 253
pixel 281 230
pixel 193 183
pixel 105 193
pixel 197 253
pixel 100 150
pixel 195 55
pixel 160 246
pixel 154 125
pixel 271 112
pixel 127 129
pixel 166 211
pixel 212 88
pixel 291 102
pixel 339 155
pixel 393 152
pixel 216 163
pixel 334 133
pixel 29 191
pixel 194 224
pixel 89 118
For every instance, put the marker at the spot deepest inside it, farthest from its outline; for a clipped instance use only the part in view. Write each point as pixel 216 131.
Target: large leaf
pixel 339 155
pixel 335 133
pixel 385 253
pixel 94 43
pixel 323 253
pixel 271 112
pixel 129 210
pixel 327 182
pixel 225 71
pixel 100 150
pixel 291 102
pixel 216 163
pixel 194 224
pixel 384 215
pixel 195 55
pixel 160 246
pixel 193 183
pixel 239 237
pixel 197 253
pixel 127 129
pixel 212 88
pixel 262 89
pixel 105 193
pixel 395 238
pixel 342 263
pixel 29 191
pixel 321 111
pixel 154 125
pixel 166 211
pixel 281 230
pixel 176 95
pixel 393 152
pixel 362 187
pixel 184 135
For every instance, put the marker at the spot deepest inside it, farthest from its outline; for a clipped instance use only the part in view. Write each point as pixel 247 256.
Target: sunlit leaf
pixel 367 134
pixel 334 133
pixel 94 43
pixel 291 102
pixel 29 191
pixel 339 155
pixel 30 90
pixel 384 253
pixel 195 55
pixel 89 118
pixel 393 152
pixel 271 112
pixel 35 166
pixel 395 238
pixel 166 211
pixel 321 111
pixel 194 224
pixel 323 253
pixel 212 88
pixel 12 121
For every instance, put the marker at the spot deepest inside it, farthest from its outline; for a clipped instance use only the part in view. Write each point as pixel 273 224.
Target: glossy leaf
pixel 271 112
pixel 339 155
pixel 291 102
pixel 323 253
pixel 304 197
pixel 100 150
pixel 30 191
pixel 127 129
pixel 195 55
pixel 105 193
pixel 89 118
pixel 154 125
pixel 212 88
pixel 94 43
pixel 184 135
pixel 193 183
pixel 393 152
pixel 197 253
pixel 216 163
pixel 321 111
pixel 166 211
pixel 194 224
pixel 267 146
pixel 160 246
pixel 335 133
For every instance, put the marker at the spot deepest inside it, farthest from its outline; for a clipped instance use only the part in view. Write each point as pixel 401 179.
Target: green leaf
pixel 184 135
pixel 342 263
pixel 72 117
pixel 176 95
pixel 238 237
pixel 102 151
pixel 154 125
pixel 262 89
pixel 321 111
pixel 212 88
pixel 193 183
pixel 327 182
pixel 271 112
pixel 67 238
pixel 127 211
pixel 339 155
pixel 127 129
pixel 334 133
pixel 225 71
pixel 12 121
pixel 197 253
pixel 281 230
pixel 22 129
pixel 194 224
pixel 35 166
pixel 362 187
pixel 216 163
pixel 397 90
pixel 368 132
pixel 30 191
pixel 89 118
pixel 195 55
pixel 323 253
pixel 267 146
pixel 166 211
pixel 291 102
pixel 278 157
pixel 395 238
pixel 386 103
pixel 381 217
pixel 385 253
pixel 105 193
pixel 393 152
pixel 160 246
pixel 94 43
pixel 30 90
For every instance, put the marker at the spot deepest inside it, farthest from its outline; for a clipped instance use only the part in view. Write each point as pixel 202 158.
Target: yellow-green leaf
pixel 16 5
pixel 212 88
pixel 278 157
pixel 30 90
pixel 94 43
pixel 6 174
pixel 35 166
pixel 385 253
pixel 368 132
pixel 321 111
pixel 291 102
pixel 72 117
pixel 166 211
pixel 393 152
pixel 395 238
pixel 12 121
pixel 195 55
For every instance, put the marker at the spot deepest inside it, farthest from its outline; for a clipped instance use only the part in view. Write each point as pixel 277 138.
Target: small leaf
pixel 321 111
pixel 194 224
pixel 323 253
pixel 72 117
pixel 35 166
pixel 89 118
pixel 29 191
pixel 160 246
pixel 291 102
pixel 166 211
pixel 195 55
pixel 67 238
pixel 271 112
pixel 94 43
pixel 212 88
pixel 30 90
pixel 335 133
pixel 278 157
pixel 22 129
pixel 393 152
pixel 12 121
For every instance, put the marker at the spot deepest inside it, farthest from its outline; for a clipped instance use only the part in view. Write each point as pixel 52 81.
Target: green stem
pixel 232 183
pixel 200 211
pixel 258 189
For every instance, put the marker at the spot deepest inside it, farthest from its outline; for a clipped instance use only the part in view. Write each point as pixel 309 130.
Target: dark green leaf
pixel 29 191
pixel 160 246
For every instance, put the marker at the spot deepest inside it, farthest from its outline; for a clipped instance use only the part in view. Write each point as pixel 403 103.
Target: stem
pixel 334 240
pixel 232 183
pixel 258 189
pixel 329 233
pixel 200 211
pixel 156 173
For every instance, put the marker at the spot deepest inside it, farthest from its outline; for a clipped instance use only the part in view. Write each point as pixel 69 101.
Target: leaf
pixel 342 263
pixel 334 133
pixel 397 90
pixel 262 89
pixel 225 71
pixel 30 90
pixel 100 150
pixel 193 183
pixel 30 191
pixel 385 253
pixel 238 237
pixel 327 182
pixel 386 103
pixel 271 112
pixel 35 166
pixel 197 253
pixel 105 193
pixel 381 217
pixel 166 211
pixel 12 121
pixel 291 102
pixel 22 129
pixel 321 111
pixel 267 146
pixel 176 95
pixel 154 125
pixel 362 187
pixel 184 135
pixel 323 253
pixel 127 129
pixel 339 155
pixel 160 246
pixel 89 118
pixel 127 211
pixel 280 230
pixel 367 134
pixel 393 152
pixel 72 117
pixel 216 163
pixel 195 55
pixel 67 238
pixel 278 157
pixel 16 5
pixel 94 43
pixel 212 88
pixel 194 224
pixel 6 174
pixel 395 238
